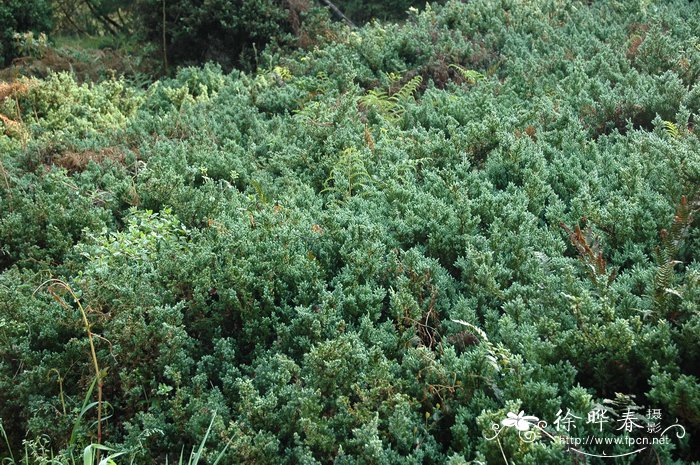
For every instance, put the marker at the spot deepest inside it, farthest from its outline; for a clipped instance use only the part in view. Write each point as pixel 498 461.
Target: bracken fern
pixel 391 107
pixel 666 253
pixel 469 75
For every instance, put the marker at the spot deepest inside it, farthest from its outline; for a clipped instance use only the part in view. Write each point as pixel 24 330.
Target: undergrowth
pixel 371 250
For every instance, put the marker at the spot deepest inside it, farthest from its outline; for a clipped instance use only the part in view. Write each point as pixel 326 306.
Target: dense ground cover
pixel 289 248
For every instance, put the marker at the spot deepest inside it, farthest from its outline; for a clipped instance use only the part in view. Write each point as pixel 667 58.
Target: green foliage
pixel 28 45
pixel 348 175
pixel 62 110
pixel 469 75
pixel 229 32
pixel 93 17
pixel 361 11
pixel 391 107
pixel 672 129
pixel 349 271
pixel 19 17
pixel 667 252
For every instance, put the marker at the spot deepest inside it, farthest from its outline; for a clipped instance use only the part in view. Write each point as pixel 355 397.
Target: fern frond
pixel 672 129
pixel 667 251
pixel 260 192
pixel 671 238
pixel 348 176
pixel 406 92
pixel 391 107
pixel 591 254
pixel 393 77
pixel 469 75
pixel 283 72
pixel 377 99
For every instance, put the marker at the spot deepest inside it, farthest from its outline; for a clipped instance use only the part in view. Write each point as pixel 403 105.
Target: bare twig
pixel 339 13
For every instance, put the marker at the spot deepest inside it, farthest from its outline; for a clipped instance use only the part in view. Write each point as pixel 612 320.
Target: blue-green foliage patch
pixel 289 248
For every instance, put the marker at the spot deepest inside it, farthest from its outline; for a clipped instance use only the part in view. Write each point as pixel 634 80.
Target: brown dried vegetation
pixel 78 161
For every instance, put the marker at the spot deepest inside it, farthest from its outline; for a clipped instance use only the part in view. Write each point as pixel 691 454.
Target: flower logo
pixel 521 422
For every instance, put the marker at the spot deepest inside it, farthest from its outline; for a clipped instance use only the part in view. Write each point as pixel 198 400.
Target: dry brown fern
pixel 591 254
pixel 11 90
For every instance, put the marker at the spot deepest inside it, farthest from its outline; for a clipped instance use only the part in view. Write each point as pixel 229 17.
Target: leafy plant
pixel 291 247
pixel 391 106
pixel 348 176
pixel 666 254
pixel 672 129
pixel 21 17
pixel 469 75
pixel 591 254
